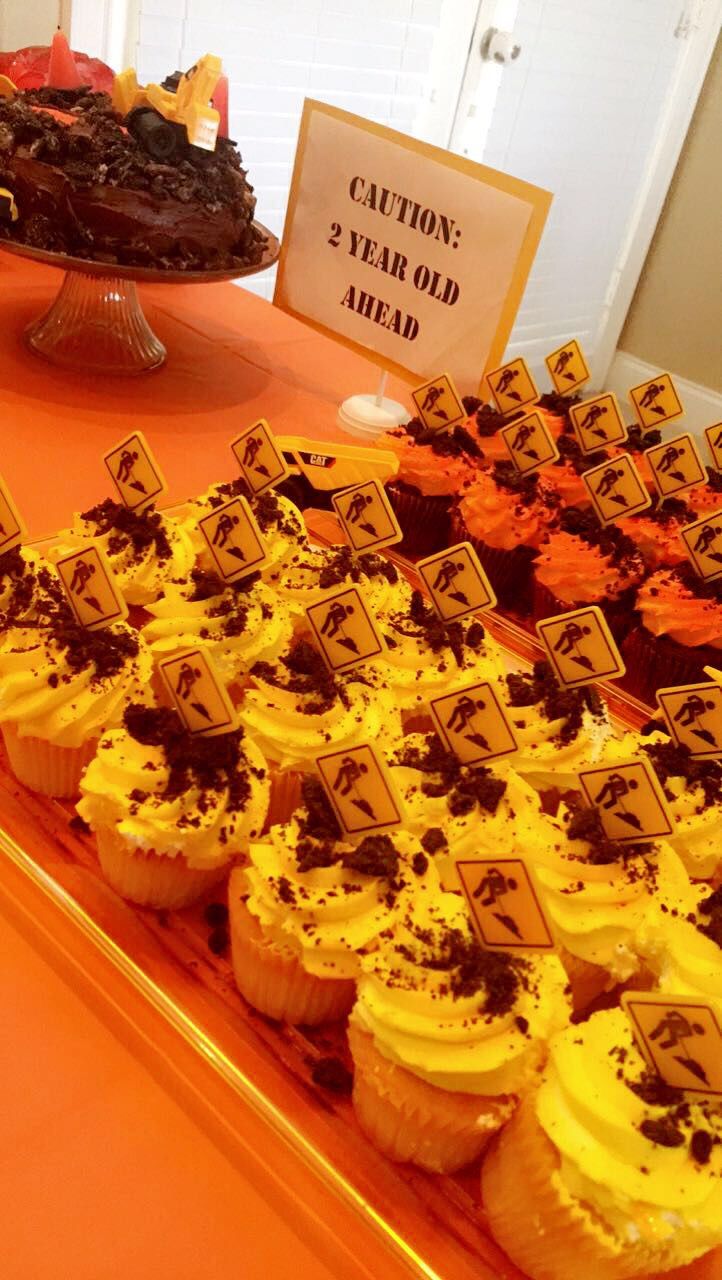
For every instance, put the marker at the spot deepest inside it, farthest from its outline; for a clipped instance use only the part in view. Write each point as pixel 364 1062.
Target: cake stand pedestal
pixel 96 323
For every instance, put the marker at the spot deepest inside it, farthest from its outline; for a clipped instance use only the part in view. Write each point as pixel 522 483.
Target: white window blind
pixel 371 57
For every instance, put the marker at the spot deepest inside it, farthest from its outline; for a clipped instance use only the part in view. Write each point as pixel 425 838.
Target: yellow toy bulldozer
pixel 165 118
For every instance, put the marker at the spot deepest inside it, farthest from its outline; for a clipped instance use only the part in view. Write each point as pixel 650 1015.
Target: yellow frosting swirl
pixel 642 1190
pixel 558 731
pixel 29 589
pixel 434 1003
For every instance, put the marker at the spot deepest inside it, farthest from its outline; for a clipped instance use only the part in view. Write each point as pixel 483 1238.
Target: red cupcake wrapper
pixel 424 521
pixel 510 572
pixel 619 614
pixel 654 662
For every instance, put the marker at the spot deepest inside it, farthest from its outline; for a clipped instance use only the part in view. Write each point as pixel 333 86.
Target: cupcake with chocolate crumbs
pixel 29 588
pixel 693 788
pixel 656 531
pixel 679 633
pixel 433 465
pixel 566 472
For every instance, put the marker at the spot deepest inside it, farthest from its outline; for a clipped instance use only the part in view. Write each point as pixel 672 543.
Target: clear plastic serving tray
pixel 247 1080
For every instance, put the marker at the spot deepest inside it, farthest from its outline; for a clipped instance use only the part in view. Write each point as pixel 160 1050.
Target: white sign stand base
pixel 368 416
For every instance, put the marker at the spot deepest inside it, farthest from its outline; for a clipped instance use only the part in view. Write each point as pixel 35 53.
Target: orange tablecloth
pixel 232 358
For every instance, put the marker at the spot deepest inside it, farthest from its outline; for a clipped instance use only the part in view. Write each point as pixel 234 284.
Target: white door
pixel 594 108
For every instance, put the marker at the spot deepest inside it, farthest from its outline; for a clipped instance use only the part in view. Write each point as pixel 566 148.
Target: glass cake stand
pixel 96 323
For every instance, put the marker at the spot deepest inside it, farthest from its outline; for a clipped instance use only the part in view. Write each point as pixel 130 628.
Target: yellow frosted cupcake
pixel 684 949
pixel 171 811
pixel 29 588
pixel 446 1036
pixel 310 904
pixel 145 549
pixel 606 1172
pixel 60 687
pixel 237 623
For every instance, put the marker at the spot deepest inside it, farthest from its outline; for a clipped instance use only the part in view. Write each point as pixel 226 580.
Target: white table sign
pixel 404 251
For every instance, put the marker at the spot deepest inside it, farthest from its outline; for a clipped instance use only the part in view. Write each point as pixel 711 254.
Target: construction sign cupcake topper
pixel 680 1037
pixel 360 790
pixel 135 472
pixel 12 529
pixel 344 629
pixel 703 543
pixel 456 582
pixel 198 693
pixel 91 588
pixel 616 489
pixel 504 905
pixel 234 540
pixel 529 442
pixel 675 465
pixel 598 423
pixel 473 723
pixel 567 367
pixel 512 386
pixel 259 457
pixel 656 401
pixel 629 800
pixel 580 647
pixel 693 713
pixel 366 516
pixel 438 403
pixel 714 440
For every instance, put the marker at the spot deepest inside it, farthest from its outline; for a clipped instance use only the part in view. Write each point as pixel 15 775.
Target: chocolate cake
pixel 85 186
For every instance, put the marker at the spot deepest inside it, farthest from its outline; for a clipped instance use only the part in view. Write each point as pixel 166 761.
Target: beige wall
pixel 675 320
pixel 30 21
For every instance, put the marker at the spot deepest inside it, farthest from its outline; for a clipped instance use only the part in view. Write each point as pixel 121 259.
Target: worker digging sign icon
pixel 656 401
pixel 629 800
pixel 680 1037
pixel 598 423
pixel 135 472
pixel 438 403
pixel 89 584
pixel 675 465
pixel 580 646
pixel 473 724
pixel 504 905
pixel 344 629
pixel 456 582
pixel 616 489
pixel 567 367
pixel 693 713
pixel 259 457
pixel 360 790
pixel 703 542
pixel 512 386
pixel 714 440
pixel 366 516
pixel 197 692
pixel 234 540
pixel 529 443
pixel 12 529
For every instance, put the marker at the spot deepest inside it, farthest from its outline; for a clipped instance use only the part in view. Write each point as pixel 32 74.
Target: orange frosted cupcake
pixel 565 474
pixel 680 631
pixel 605 1172
pixel 584 562
pixel 433 466
pixel 656 531
pixel 506 516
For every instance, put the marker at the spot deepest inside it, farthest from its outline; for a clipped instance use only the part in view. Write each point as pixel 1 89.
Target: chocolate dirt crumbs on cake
pixel 106 650
pixel 471 970
pixel 304 671
pixel 465 786
pixel 210 764
pixel 541 688
pixel 317 819
pixel 142 530
pixel 672 761
pixel 346 564
pixel 586 824
pixel 446 444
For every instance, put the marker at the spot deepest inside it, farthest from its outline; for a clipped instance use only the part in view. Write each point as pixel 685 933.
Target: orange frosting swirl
pixel 670 607
pixel 434 475
pixel 578 572
pixel 505 519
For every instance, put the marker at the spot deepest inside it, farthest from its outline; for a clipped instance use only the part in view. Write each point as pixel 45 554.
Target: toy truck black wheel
pixel 157 136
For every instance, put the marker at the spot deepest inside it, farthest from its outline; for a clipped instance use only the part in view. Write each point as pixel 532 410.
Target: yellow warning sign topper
pixel 693 713
pixel 598 423
pixel 456 582
pixel 512 386
pixel 580 646
pixel 676 465
pixel 473 723
pixel 656 401
pixel 629 799
pixel 680 1038
pixel 234 540
pixel 259 457
pixel 714 440
pixel 198 693
pixel 438 403
pixel 12 529
pixel 504 905
pixel 366 516
pixel 567 367
pixel 344 629
pixel 135 472
pixel 360 790
pixel 703 544
pixel 91 587
pixel 529 442
pixel 616 489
